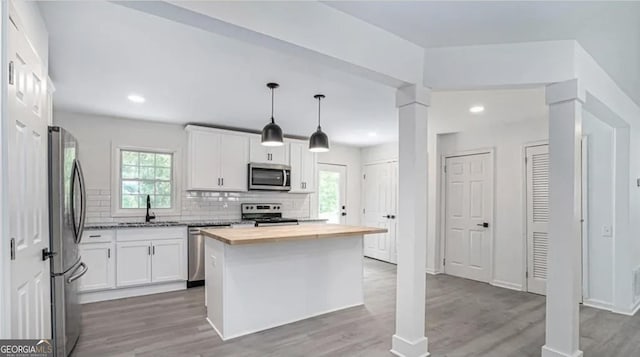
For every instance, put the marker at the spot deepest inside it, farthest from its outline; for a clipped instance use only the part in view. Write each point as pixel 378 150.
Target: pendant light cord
pixel 319 99
pixel 272 120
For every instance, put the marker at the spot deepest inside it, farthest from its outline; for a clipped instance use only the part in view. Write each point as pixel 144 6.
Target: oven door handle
pixel 284 178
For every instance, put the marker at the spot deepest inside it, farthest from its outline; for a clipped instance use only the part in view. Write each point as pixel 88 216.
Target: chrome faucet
pixel 151 216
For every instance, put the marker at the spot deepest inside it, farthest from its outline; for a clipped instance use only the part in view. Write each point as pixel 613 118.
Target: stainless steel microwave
pixel 269 177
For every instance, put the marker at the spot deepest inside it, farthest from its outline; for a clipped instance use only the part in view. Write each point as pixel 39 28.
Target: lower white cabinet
pixel 100 258
pixel 143 262
pixel 134 263
pixel 167 260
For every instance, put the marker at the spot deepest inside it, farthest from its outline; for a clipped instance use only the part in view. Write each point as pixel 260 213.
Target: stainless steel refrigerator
pixel 67 212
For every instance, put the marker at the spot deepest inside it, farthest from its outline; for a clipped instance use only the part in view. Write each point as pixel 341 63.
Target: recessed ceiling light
pixel 136 98
pixel 372 134
pixel 476 109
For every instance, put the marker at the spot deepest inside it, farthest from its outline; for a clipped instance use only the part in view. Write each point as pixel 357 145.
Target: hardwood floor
pixel 464 318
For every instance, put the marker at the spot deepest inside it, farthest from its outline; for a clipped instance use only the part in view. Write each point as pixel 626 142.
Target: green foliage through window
pixel 329 194
pixel 145 173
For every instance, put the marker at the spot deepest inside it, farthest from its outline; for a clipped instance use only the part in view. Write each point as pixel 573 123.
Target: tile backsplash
pixel 197 205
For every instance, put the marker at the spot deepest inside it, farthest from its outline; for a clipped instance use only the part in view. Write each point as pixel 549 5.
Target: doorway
pixel 379 203
pixel 537 208
pixel 469 215
pixel 332 193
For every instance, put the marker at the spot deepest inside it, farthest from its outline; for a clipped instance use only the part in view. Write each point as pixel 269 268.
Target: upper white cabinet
pixel 268 154
pixel 217 159
pixel 303 167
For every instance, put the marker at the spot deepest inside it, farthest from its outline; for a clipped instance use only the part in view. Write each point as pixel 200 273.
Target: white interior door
pixel 537 217
pixel 379 197
pixel 27 136
pixel 332 193
pixel 468 216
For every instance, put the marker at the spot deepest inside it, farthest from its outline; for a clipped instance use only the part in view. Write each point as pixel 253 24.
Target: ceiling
pixel 101 52
pixel 608 30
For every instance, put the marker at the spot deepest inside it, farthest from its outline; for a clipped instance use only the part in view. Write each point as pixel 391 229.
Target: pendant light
pixel 271 133
pixel 319 142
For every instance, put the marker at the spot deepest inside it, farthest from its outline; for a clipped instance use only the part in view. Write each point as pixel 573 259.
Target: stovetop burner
pixel 265 214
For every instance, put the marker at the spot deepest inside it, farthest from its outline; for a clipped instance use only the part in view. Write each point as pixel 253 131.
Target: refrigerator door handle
pixel 77 276
pixel 78 224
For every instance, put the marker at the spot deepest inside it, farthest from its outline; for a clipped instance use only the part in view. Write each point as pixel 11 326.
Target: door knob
pixel 392 216
pixel 344 213
pixel 387 216
pixel 483 224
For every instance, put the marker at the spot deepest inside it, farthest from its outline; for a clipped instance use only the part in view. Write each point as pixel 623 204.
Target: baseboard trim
pixel 121 293
pixel 216 330
pixel 252 331
pixel 506 285
pixel 432 271
pixel 629 312
pixel 404 348
pixel 597 304
pixel 550 352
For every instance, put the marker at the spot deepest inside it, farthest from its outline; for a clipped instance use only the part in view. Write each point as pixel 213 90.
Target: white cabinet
pixel 303 167
pixel 100 261
pixel 268 154
pixel 167 260
pixel 234 162
pixel 159 260
pixel 217 159
pixel 134 263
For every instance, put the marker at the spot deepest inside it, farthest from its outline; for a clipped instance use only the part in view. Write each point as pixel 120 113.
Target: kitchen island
pixel 262 277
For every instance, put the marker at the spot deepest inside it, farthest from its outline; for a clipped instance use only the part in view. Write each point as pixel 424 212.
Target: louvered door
pixel 537 217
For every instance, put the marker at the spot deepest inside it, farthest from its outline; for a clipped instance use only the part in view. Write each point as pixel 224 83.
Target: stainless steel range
pixel 265 214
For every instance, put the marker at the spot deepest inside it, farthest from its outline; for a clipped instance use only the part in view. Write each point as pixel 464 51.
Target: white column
pixel 565 102
pixel 409 339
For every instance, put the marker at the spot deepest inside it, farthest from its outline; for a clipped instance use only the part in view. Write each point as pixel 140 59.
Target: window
pixel 331 193
pixel 145 173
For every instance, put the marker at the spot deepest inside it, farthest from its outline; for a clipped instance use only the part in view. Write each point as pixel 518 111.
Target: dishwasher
pixel 196 249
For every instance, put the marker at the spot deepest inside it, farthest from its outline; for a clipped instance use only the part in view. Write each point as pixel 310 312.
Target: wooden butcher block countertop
pixel 255 235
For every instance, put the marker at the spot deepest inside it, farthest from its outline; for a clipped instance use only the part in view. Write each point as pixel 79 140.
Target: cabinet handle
pixel 154 250
pixel 149 250
pixel 95 236
pixel 218 181
pixel 109 253
pixel 222 181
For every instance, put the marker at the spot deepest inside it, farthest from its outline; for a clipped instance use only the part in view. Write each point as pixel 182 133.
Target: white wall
pixel 600 196
pixel 97 135
pixel 508 142
pixel 383 152
pixel 350 157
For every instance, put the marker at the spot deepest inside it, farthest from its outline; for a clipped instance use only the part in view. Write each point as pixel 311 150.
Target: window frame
pixel 116 183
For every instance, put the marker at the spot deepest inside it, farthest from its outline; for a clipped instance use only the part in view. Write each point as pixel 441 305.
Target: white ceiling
pixel 101 52
pixel 449 111
pixel 608 30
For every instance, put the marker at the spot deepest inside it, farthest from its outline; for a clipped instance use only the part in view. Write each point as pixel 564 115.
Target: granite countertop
pixel 312 219
pixel 199 223
pixel 190 223
pixel 287 233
